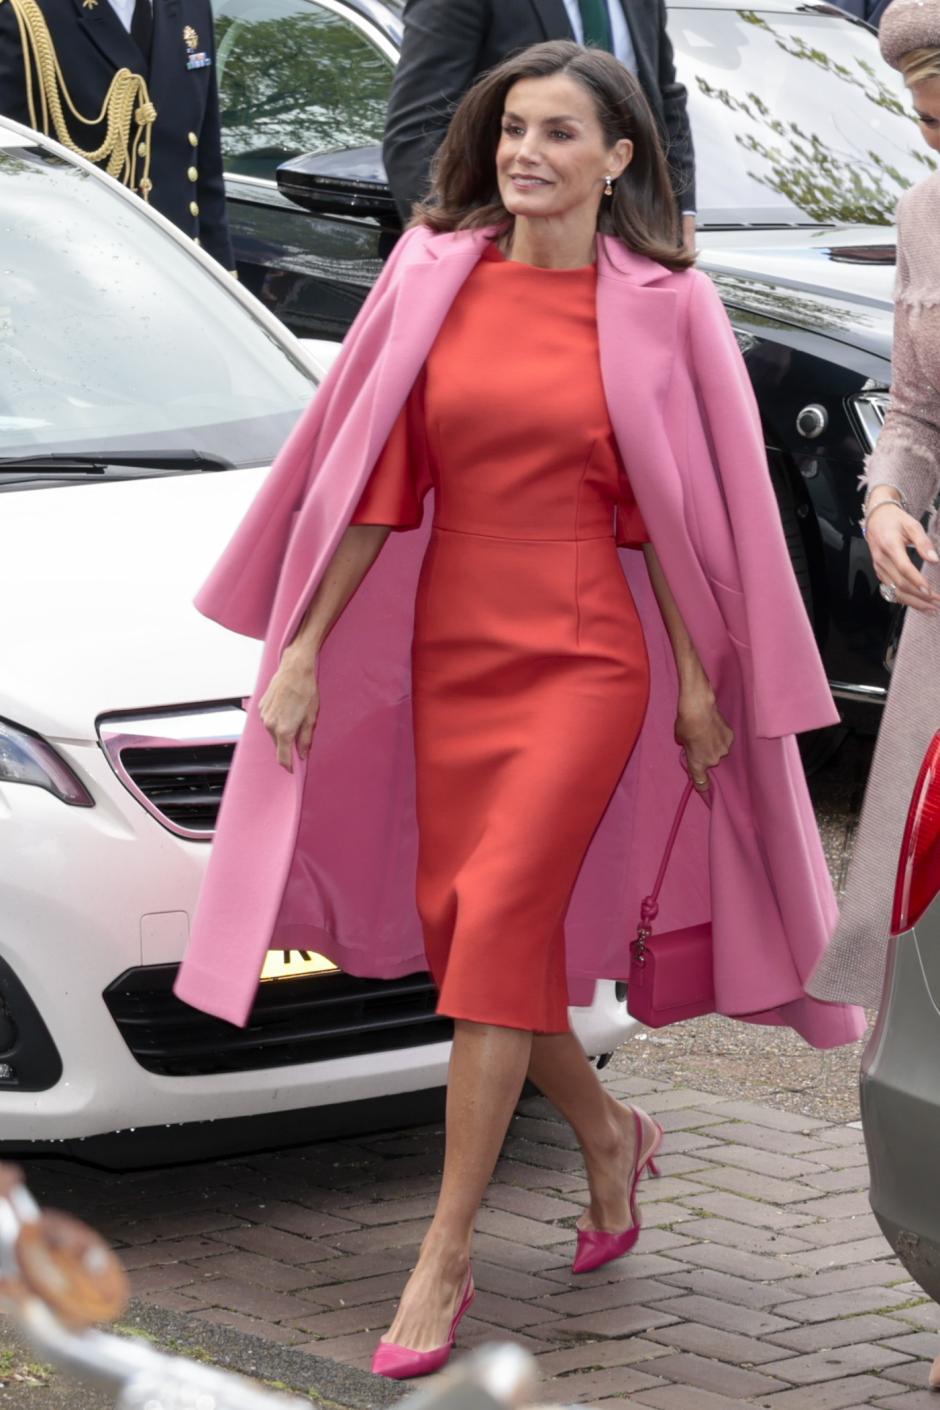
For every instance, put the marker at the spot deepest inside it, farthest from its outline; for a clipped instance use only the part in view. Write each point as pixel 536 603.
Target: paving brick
pixel 551 1157
pixel 536 1177
pixel 716 1376
pixel 679 1163
pixel 865 1250
pixel 175 1300
pixel 677 1098
pixel 686 1119
pixel 615 1322
pixel 161 1277
pixel 662 1213
pixel 638 1265
pixel 530 1203
pixel 777 1167
pixel 720 1345
pixel 908 1400
pixel 617 1294
pixel 910 1373
pixel 850 1303
pixel 926 1314
pixel 166 1226
pixel 474 1332
pixel 840 1231
pixel 743 1237
pixel 294 1218
pixel 724 1286
pixel 355 1348
pixel 835 1181
pixel 753 1322
pixel 838 1362
pixel 505 1253
pixel 254 1326
pixel 274 1243
pixel 738 1262
pixel 392 1211
pixel 829 1395
pixel 591 1386
pixel 670 1187
pixel 686 1143
pixel 386 1236
pixel 754 1185
pixel 518 1228
pixel 775 1118
pixel 678 1398
pixel 912 1343
pixel 271 1306
pixel 818 1336
pixel 514 1313
pixel 362 1291
pixel 266 1272
pixel 836 1206
pixel 348 1268
pixel 765 1138
pixel 371 1316
pixel 507 1282
pixel 168 1251
pixel 726 1205
pixel 859 1275
pixel 590 1355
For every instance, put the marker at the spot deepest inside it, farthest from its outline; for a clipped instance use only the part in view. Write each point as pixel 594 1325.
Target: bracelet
pixel 895 504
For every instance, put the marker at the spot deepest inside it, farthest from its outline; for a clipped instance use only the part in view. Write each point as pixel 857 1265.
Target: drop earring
pixel 608 187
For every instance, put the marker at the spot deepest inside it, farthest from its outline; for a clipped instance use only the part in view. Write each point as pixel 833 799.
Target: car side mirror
pixel 350 181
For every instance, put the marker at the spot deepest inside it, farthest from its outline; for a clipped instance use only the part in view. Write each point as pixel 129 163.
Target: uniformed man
pixel 129 84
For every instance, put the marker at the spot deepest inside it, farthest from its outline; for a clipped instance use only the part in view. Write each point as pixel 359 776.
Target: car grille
pixel 306 1019
pixel 176 762
pixel 183 784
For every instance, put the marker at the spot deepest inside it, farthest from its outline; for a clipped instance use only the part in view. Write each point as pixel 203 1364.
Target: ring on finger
pixel 888 591
pixel 700 783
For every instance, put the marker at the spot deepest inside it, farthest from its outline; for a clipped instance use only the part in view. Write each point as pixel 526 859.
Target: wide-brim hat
pixel 907 25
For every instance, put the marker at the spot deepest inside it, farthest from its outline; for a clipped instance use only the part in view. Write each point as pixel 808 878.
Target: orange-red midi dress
pixel 530 675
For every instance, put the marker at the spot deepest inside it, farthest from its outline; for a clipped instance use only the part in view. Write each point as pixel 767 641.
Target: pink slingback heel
pixel 400 1363
pixel 596 1246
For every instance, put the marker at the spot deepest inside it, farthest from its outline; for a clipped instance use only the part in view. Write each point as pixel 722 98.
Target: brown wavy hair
pixel 642 211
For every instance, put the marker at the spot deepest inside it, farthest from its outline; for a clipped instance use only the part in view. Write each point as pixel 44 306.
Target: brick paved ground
pixel 761 1279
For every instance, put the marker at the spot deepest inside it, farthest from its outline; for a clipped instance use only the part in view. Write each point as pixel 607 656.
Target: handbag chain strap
pixel 649 910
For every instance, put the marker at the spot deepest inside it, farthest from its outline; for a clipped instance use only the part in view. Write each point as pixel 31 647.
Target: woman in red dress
pixel 530 674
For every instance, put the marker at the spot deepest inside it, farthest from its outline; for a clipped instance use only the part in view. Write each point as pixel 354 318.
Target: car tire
pixel 817 746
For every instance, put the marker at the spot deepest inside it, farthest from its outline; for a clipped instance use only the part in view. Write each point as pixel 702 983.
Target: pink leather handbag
pixel 671 976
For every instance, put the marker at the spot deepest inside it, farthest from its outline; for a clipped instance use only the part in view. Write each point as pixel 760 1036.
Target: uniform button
pixel 195 239
pixel 142 149
pixel 193 208
pixel 193 140
pixel 193 174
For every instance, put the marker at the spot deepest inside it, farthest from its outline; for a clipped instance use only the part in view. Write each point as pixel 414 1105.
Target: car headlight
pixel 27 758
pixel 869 408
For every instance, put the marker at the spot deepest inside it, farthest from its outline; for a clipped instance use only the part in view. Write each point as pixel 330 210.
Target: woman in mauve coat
pixel 903 479
pixel 539 354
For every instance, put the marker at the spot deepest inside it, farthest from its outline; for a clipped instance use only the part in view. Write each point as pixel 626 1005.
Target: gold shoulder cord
pixel 126 105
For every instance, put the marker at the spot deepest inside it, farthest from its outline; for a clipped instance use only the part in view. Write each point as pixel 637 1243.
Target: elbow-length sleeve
pixel 907 455
pixel 400 479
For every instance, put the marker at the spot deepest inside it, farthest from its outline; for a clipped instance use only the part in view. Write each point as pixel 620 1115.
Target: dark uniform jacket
pixel 449 43
pixel 92 44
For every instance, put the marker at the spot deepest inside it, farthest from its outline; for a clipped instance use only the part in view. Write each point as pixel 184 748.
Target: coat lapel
pixel 553 18
pixel 101 25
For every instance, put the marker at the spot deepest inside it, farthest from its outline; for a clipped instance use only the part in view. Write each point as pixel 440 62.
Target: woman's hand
pixel 289 708
pixel 889 536
pixel 704 733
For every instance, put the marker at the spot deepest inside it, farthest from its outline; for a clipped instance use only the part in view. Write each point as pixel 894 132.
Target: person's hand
pixel 891 532
pixel 704 733
pixel 289 708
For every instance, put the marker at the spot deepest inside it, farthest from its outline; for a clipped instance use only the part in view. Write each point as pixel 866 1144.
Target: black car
pixel 804 142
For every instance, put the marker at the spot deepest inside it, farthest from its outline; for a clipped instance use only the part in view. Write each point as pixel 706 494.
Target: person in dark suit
pixel 146 69
pixel 449 43
pixel 870 11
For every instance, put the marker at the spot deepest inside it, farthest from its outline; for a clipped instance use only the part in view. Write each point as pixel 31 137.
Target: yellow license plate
pixel 290 964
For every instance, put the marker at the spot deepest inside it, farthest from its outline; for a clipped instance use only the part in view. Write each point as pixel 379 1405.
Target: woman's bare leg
pixel 604 1127
pixel 487 1069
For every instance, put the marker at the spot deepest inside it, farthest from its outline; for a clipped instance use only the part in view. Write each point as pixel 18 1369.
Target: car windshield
pixel 796 119
pixel 111 335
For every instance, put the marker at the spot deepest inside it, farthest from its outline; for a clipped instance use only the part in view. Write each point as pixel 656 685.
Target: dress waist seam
pixel 516 538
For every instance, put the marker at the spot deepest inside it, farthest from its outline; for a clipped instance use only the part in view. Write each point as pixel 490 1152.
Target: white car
pixel 143 395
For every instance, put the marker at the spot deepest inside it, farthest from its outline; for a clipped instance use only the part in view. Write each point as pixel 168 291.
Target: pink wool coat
pixel 324 858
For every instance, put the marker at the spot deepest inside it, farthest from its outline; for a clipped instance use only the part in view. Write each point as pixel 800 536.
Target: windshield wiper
pixel 100 461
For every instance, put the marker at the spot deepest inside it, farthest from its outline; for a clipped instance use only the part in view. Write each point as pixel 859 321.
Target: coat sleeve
pixel 213 217
pixel 675 100
pixel 440 58
pixel 796 697
pixel 13 103
pixel 907 455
